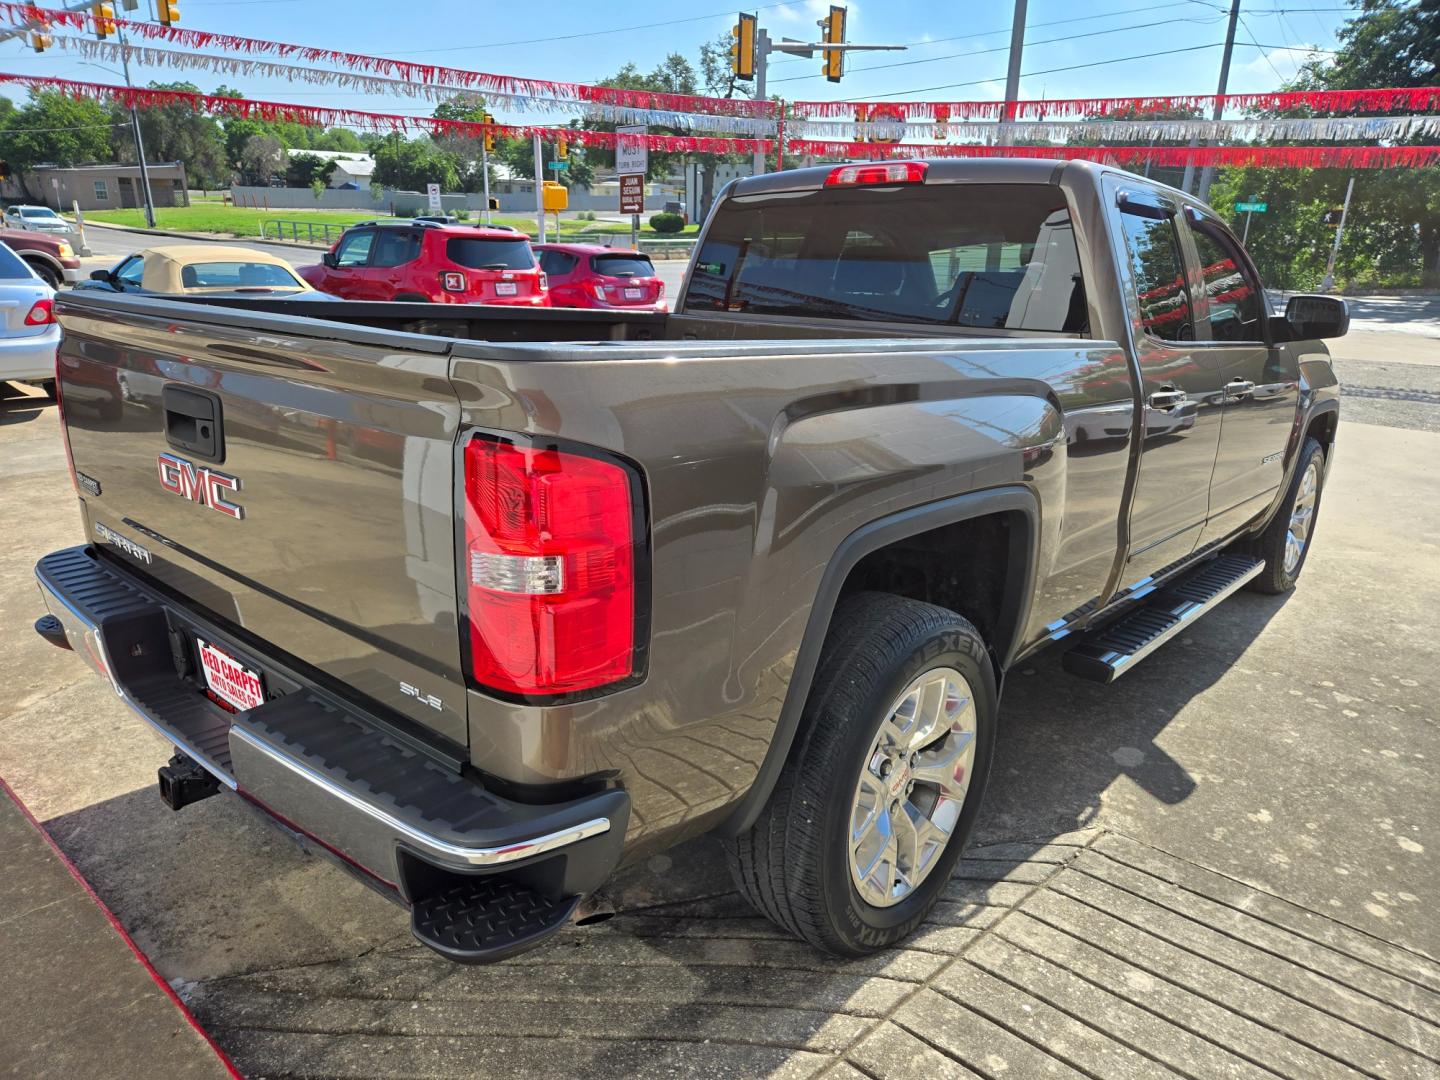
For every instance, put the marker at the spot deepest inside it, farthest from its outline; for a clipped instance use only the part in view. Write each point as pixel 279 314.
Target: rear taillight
pixel 42 314
pixel 453 281
pixel 544 281
pixel 892 172
pixel 599 291
pixel 549 569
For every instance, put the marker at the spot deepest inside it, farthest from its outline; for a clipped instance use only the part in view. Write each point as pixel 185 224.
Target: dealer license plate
pixel 228 679
pixel 505 288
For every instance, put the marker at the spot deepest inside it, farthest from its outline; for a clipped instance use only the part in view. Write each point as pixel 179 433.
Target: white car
pixel 29 333
pixel 42 219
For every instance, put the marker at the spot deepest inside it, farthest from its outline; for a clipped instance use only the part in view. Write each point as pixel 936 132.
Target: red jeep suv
pixel 442 264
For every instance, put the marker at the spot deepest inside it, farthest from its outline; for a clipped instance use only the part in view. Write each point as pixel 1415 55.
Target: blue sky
pixel 950 44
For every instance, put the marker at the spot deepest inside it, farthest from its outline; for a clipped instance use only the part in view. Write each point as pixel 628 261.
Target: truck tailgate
pixel 297 487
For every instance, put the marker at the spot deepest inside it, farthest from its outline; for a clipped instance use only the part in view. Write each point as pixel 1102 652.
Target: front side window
pixel 394 247
pixel 991 256
pixel 354 249
pixel 1232 298
pixel 131 271
pixel 1159 274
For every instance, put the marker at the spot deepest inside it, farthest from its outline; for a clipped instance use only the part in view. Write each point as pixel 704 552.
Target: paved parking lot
pixel 1224 865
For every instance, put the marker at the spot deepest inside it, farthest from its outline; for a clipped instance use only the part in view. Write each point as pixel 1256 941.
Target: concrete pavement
pixel 1224 865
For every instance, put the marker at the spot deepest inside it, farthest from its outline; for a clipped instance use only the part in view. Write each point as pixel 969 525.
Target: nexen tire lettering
pixel 200 484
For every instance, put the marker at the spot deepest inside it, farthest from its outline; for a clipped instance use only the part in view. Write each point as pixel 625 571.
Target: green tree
pixel 177 133
pixel 304 169
pixel 410 164
pixel 1392 236
pixel 55 129
pixel 262 157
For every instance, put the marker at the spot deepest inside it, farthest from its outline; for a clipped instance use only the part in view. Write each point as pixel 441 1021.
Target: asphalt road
pixel 1273 770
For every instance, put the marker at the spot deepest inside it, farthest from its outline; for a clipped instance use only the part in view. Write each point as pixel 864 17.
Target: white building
pixel 352 170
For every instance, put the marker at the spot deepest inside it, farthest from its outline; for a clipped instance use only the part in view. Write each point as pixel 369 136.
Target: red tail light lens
pixel 42 314
pixel 549 569
pixel 894 172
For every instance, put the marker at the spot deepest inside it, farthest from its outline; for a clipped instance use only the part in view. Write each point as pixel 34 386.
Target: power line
pixel 1051 71
pixel 1001 48
pixel 585 34
pixel 75 127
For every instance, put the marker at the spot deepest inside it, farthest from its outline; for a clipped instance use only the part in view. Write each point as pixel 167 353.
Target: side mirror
pixel 1310 316
pixel 100 275
pixel 329 259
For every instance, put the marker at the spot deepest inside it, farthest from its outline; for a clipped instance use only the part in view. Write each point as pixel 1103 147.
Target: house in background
pixel 99 187
pixel 353 171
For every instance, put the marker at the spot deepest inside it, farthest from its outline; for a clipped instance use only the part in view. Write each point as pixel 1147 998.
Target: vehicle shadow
pixel 20 410
pixel 303 970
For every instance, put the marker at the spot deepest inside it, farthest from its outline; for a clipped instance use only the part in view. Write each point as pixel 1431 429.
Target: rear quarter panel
pixel 759 461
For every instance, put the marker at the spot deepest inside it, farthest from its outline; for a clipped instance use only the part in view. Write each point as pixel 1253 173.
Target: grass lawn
pixel 244 221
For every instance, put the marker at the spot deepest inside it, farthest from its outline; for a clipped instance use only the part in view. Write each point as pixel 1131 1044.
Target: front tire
pixel 48 274
pixel 1285 543
pixel 874 806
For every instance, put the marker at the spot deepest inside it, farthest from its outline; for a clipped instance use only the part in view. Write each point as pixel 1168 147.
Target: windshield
pixel 237 275
pixel 12 266
pixel 997 256
pixel 622 266
pixel 480 254
pixel 39 212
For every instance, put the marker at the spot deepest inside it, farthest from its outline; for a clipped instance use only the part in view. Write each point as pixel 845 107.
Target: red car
pixel 591 276
pixel 441 264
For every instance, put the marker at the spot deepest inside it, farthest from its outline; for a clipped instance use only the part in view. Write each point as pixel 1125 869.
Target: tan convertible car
pixel 198 268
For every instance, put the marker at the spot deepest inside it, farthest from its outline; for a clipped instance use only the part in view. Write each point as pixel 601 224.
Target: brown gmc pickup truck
pixel 486 602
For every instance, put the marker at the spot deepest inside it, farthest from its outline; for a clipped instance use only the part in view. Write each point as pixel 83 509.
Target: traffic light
pixel 40 40
pixel 832 32
pixel 104 16
pixel 742 52
pixel 167 11
pixel 562 149
pixel 489 139
pixel 1333 215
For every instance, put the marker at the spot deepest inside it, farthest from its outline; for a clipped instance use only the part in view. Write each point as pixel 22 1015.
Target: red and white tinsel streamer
pixel 1407 99
pixel 1305 157
pixel 321 116
pixel 1303 129
pixel 232 66
pixel 31 15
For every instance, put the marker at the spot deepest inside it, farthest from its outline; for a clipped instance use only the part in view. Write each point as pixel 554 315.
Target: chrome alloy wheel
pixel 912 787
pixel 1302 516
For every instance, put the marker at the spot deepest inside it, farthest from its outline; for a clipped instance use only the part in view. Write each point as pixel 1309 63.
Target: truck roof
pixel 997 170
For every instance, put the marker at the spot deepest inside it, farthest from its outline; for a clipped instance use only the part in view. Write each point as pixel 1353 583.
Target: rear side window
pixel 622 266
pixel 478 253
pixel 557 263
pixel 993 256
pixel 12 266
pixel 394 247
pixel 1159 277
pixel 1233 300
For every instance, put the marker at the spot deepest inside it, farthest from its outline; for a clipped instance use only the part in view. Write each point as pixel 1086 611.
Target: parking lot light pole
pixel 539 186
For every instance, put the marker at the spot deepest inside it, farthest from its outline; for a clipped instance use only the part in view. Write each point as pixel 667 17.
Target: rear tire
pixel 819 860
pixel 1294 523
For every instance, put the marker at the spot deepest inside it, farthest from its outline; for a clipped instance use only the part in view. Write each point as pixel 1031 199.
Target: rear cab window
pixel 484 253
pixel 988 256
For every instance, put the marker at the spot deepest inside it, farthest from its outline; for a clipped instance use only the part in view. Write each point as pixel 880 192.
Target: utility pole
pixel 135 126
pixel 485 178
pixel 1012 72
pixel 1329 282
pixel 539 186
pixel 1208 173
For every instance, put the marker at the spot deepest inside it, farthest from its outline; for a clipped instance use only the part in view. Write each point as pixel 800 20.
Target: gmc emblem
pixel 200 484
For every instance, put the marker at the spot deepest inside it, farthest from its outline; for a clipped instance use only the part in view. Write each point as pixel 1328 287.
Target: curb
pixel 210 238
pixel 7 791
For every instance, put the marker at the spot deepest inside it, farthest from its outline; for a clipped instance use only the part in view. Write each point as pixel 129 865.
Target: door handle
pixel 1238 387
pixel 1168 398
